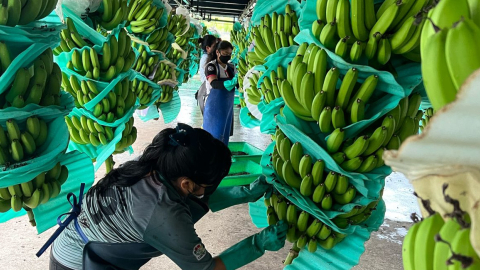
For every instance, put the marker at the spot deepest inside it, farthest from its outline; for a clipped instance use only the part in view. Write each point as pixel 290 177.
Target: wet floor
pixel 223 229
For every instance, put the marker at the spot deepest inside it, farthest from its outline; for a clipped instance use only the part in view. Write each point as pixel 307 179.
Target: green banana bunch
pixel 275 32
pixel 71 39
pixel 435 243
pixel 240 39
pixel 129 136
pixel 158 40
pixel 176 23
pixel 182 41
pixel 110 14
pixel 84 130
pixel 175 55
pixel 29 195
pixel 308 176
pixel 43 88
pixel 364 153
pixel 310 91
pixel 145 63
pixel 19 145
pixel 166 95
pixel 22 12
pixel 358 27
pixel 428 113
pixel 6 57
pixel 255 94
pixel 112 107
pixel 451 71
pixel 163 70
pixel 116 57
pixel 269 87
pixel 143 91
pixel 143 16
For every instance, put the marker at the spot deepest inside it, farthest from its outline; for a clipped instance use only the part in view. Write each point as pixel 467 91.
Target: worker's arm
pixel 225 197
pixel 171 231
pixel 211 74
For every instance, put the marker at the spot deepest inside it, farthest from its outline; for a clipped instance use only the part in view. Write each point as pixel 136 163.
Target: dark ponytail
pixel 223 45
pixel 203 159
pixel 209 41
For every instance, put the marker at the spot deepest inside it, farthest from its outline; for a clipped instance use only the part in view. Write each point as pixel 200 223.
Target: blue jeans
pixel 218 115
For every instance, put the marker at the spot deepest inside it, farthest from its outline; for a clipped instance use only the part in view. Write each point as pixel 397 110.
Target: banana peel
pixel 447 152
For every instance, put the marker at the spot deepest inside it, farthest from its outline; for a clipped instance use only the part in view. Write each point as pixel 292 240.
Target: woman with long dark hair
pixel 208 44
pixel 148 207
pixel 221 80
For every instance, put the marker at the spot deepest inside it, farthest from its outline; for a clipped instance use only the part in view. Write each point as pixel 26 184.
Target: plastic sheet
pixel 246 120
pixel 80 170
pixel 46 30
pixel 269 112
pixel 170 110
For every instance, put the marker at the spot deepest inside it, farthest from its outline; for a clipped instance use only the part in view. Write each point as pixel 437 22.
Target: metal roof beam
pixel 220 14
pixel 220 8
pixel 232 2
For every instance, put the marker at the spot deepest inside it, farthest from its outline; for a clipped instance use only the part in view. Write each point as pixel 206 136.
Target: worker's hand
pixel 273 237
pixel 260 186
pixel 230 84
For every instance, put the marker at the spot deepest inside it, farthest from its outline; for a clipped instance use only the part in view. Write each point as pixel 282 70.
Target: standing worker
pixel 208 44
pixel 148 207
pixel 221 82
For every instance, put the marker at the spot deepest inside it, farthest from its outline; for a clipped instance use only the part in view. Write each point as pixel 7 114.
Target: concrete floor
pixel 223 229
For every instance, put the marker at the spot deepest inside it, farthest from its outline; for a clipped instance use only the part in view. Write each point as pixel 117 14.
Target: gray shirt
pixel 147 212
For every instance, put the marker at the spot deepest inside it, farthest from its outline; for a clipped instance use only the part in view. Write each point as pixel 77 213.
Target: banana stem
pixel 31 217
pixel 109 163
pixel 292 254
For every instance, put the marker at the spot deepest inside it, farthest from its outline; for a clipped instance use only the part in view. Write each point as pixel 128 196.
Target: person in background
pixel 148 207
pixel 221 81
pixel 208 43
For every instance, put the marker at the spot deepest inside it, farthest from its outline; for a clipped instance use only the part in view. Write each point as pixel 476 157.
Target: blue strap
pixel 76 209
